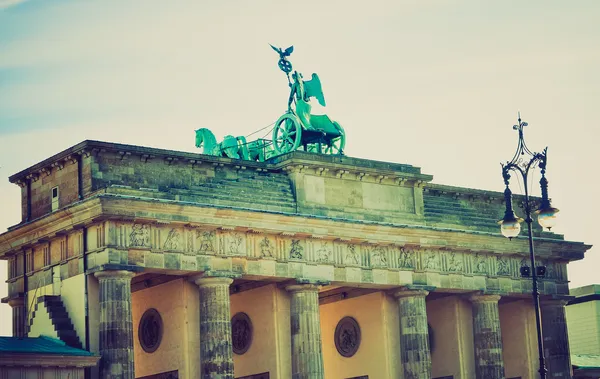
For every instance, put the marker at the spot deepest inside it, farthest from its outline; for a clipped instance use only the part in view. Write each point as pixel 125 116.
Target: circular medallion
pixel 241 333
pixel 347 337
pixel 150 330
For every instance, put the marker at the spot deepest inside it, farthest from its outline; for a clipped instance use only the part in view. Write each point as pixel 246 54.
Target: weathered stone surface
pixel 307 355
pixel 556 340
pixel 487 337
pixel 414 336
pixel 18 316
pixel 216 353
pixel 116 333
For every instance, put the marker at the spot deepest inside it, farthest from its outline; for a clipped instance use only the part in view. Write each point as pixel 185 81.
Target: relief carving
pixel 406 259
pixel 431 260
pixel 480 264
pixel 455 262
pixel 347 337
pixel 503 265
pixel 241 333
pixel 234 245
pixel 140 235
pixel 379 256
pixel 296 250
pixel 351 257
pixel 173 239
pixel 205 241
pixel 550 271
pixel 324 253
pixel 266 248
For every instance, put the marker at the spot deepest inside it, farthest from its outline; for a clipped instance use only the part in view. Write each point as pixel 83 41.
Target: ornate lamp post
pixel 522 162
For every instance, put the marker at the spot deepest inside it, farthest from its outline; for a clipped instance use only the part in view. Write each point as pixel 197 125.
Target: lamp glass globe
pixel 510 228
pixel 547 217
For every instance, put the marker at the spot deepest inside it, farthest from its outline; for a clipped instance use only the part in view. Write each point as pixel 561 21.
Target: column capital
pixel 555 301
pixel 118 274
pixel 484 298
pixel 306 287
pixel 213 281
pixel 214 278
pixel 16 302
pixel 410 293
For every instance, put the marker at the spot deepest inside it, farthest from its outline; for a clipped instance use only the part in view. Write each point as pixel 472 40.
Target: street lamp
pixel 510 225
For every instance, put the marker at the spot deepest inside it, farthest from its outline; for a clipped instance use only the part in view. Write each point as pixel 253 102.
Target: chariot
pixel 299 129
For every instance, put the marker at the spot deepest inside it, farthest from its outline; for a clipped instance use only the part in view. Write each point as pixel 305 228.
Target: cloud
pixel 10 3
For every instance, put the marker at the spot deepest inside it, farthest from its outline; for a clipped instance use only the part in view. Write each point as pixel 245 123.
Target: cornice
pixel 128 208
pixel 23 236
pixel 310 226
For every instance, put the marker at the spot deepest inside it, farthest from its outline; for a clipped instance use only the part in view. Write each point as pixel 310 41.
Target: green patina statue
pixel 233 147
pixel 297 129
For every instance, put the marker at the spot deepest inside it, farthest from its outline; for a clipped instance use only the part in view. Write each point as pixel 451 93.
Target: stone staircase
pixel 447 211
pixel 252 190
pixel 60 319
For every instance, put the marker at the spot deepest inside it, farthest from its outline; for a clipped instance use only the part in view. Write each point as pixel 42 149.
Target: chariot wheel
pixel 287 134
pixel 336 145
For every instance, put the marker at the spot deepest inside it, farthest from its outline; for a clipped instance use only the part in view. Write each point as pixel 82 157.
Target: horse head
pixel 206 139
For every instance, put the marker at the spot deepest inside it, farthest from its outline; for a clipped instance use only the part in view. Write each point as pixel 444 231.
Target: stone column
pixel 216 351
pixel 414 334
pixel 487 337
pixel 307 354
pixel 556 340
pixel 18 316
pixel 116 324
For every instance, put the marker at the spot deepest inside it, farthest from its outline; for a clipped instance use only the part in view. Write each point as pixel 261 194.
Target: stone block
pixel 204 262
pixel 479 282
pixel 136 257
pixel 172 261
pixel 562 288
pixel 505 285
pixel 323 272
pixel 73 267
pixel 468 282
pixel 253 267
pixel 64 271
pixel 550 288
pixel 455 281
pixel 367 275
pixel 118 257
pixel 239 265
pixel 420 278
pixel 189 263
pixel 405 277
pixel 434 279
pixel 155 260
pixel 281 270
pixel 492 284
pixel 101 257
pixel 353 274
pixel 267 267
pixel 339 274
pixel 380 276
pixel 296 269
pixel 221 264
pixel 393 277
pixel 516 286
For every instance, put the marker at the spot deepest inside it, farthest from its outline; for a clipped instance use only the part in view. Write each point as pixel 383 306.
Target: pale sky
pixel 435 84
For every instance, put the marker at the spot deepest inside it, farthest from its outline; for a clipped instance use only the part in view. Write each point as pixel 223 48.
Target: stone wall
pixel 318 185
